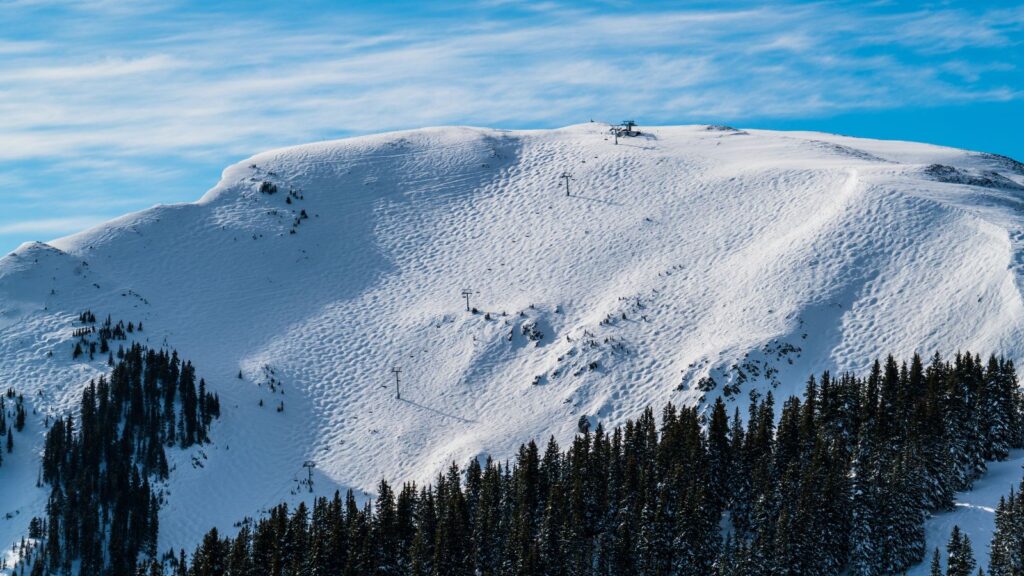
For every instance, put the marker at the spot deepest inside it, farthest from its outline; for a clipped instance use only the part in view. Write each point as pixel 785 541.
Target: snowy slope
pixel 752 257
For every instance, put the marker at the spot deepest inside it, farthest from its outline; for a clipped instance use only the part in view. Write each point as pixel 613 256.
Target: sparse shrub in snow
pixel 530 330
pixel 706 384
pixel 583 424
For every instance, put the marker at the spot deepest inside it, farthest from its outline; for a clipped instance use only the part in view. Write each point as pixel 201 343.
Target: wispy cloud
pixel 188 84
pixel 92 71
pixel 48 227
pixel 99 88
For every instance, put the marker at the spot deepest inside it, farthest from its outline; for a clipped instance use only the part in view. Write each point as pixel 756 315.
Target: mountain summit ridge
pixel 685 263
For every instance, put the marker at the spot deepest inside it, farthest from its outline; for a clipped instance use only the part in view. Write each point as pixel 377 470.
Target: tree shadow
pixel 438 412
pixel 601 200
pixel 638 146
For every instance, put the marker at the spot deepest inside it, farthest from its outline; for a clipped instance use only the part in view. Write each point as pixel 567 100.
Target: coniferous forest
pixel 12 418
pixel 102 514
pixel 1007 549
pixel 840 483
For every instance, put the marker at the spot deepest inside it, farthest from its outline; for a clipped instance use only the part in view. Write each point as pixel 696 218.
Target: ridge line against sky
pixel 107 106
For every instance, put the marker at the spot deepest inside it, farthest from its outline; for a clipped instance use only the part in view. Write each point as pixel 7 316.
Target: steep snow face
pixel 684 264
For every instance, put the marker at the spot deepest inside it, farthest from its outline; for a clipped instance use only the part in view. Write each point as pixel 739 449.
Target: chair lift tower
pixel 567 177
pixel 309 465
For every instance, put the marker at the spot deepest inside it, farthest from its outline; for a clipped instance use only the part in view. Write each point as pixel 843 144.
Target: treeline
pixel 107 331
pixel 1006 552
pixel 12 418
pixel 102 512
pixel 841 485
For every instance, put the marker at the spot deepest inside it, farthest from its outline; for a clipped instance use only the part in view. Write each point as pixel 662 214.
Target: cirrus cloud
pixel 98 90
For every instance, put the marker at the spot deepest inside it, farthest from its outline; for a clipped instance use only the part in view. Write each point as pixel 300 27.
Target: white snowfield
pixel 750 257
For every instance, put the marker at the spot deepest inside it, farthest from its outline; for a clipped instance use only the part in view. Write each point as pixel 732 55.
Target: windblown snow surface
pixel 747 256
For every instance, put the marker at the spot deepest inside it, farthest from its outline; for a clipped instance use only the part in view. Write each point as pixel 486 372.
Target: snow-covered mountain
pixel 686 263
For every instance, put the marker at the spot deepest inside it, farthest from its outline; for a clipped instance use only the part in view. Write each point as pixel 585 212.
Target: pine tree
pixel 209 559
pixel 936 567
pixel 719 456
pixel 1006 550
pixel 386 533
pixel 865 556
pixel 959 554
pixel 19 414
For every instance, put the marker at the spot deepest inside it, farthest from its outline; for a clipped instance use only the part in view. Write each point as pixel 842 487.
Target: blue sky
pixel 108 106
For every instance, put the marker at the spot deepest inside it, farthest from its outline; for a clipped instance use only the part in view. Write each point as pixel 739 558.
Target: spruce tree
pixel 936 566
pixel 959 554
